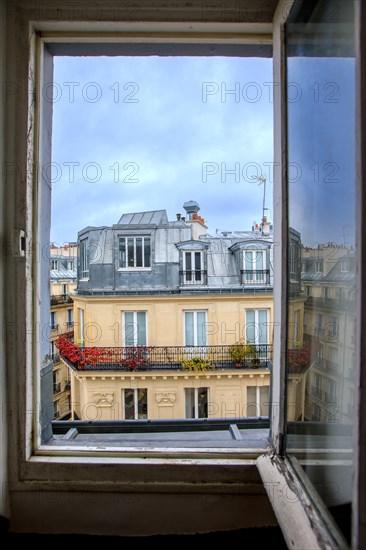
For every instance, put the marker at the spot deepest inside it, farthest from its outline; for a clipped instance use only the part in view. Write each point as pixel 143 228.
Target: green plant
pixel 238 351
pixel 197 364
pixel 252 354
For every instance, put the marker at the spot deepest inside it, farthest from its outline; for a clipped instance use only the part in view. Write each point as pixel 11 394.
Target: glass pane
pixel 188 261
pixel 141 328
pixel 321 186
pixel 131 252
pixel 189 328
pixel 264 400
pixel 189 405
pixel 248 261
pixel 142 403
pixel 250 326
pixel 139 252
pixel 147 252
pixel 129 329
pixel 252 409
pixel 201 328
pixel 202 402
pixel 129 404
pixel 197 261
pixel 122 253
pixel 262 326
pixel 259 261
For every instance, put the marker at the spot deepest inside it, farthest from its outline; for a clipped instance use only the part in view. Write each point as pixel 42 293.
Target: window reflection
pixel 321 245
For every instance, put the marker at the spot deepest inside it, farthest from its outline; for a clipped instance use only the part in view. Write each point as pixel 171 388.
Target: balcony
pixel 194 277
pixel 70 324
pixel 60 299
pixel 327 365
pixel 143 358
pixel 67 385
pixel 261 277
pixel 56 388
pixel 54 327
pixel 55 357
pixel 330 397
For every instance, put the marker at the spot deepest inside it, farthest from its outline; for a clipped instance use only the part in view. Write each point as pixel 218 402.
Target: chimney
pixel 196 222
pixel 178 216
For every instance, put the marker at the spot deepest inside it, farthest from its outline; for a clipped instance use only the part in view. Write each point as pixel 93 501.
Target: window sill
pixel 127 269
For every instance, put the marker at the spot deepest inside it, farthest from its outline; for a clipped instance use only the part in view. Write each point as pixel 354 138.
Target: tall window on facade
pixel 256 330
pixel 81 322
pixel 192 268
pixel 135 403
pixel 84 259
pixel 196 400
pixel 195 328
pixel 134 252
pixel 255 267
pixel 53 320
pixel 257 401
pixel 134 328
pixel 70 317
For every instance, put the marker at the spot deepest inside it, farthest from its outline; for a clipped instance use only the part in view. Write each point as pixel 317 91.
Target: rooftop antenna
pixel 262 180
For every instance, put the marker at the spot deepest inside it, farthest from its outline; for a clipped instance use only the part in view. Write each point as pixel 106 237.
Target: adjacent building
pixel 171 321
pixel 63 279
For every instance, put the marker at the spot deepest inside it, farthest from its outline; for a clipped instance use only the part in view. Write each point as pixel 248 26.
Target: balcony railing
pixel 143 358
pixel 326 364
pixel 59 299
pixel 193 277
pixel 56 387
pixel 67 385
pixel 316 392
pixel 256 277
pixel 54 327
pixel 55 357
pixel 70 324
pixel 330 397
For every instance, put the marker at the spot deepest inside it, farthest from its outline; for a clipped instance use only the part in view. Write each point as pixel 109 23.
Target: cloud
pixel 133 134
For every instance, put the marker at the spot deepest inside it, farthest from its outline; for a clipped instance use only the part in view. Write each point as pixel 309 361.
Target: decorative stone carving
pixel 103 399
pixel 165 399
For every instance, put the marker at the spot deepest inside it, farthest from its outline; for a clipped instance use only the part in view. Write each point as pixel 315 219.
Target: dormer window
pixel 255 267
pixel 345 266
pixel 134 252
pixel 193 273
pixel 84 258
pixel 54 264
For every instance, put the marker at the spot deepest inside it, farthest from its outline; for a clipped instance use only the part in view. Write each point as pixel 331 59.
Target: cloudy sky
pixel 145 133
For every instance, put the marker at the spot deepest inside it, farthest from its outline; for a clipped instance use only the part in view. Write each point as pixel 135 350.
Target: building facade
pixel 170 321
pixel 63 279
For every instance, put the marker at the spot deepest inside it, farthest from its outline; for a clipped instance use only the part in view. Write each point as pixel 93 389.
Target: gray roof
pixel 154 217
pixel 63 273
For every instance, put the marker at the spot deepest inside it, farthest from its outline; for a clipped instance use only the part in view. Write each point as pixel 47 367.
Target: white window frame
pixel 195 397
pixel 38 470
pixel 193 271
pixel 135 267
pixel 84 259
pixel 256 314
pixel 195 312
pixel 251 276
pixel 135 402
pixel 257 400
pixel 135 312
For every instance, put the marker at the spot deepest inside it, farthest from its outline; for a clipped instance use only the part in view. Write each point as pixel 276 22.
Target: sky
pixel 148 133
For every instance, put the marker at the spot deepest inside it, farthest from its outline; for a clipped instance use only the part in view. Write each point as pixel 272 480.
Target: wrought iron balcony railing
pixel 249 277
pixel 59 299
pixel 56 387
pixel 146 358
pixel 193 277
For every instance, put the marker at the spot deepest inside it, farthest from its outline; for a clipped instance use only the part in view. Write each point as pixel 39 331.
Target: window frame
pixel 135 312
pixel 134 267
pixel 45 470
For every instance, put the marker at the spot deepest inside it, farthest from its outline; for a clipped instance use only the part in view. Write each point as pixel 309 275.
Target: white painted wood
pixel 303 525
pixel 280 223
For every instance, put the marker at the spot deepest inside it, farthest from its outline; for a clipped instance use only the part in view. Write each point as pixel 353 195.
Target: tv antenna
pixel 262 180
